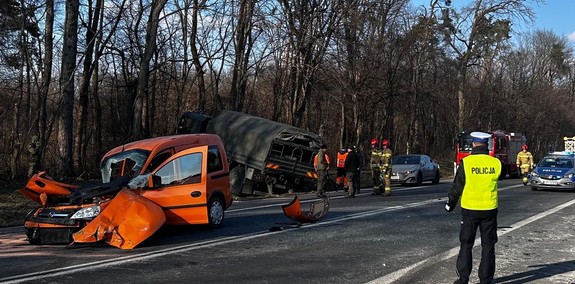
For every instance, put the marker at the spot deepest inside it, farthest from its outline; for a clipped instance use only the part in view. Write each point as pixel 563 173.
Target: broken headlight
pixel 88 212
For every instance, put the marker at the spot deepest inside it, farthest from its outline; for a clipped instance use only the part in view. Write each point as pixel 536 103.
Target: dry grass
pixel 13 206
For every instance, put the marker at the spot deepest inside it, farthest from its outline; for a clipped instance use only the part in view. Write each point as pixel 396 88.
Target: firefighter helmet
pixel 524 147
pixel 374 142
pixel 385 142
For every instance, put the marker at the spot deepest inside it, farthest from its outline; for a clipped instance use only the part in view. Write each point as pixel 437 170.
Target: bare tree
pixel 200 80
pixel 66 120
pixel 46 75
pixel 310 26
pixel 140 126
pixel 88 68
pixel 243 44
pixel 476 27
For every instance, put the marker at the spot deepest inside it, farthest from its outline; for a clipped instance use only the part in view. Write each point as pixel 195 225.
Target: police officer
pixel 321 165
pixel 374 163
pixel 476 184
pixel 524 163
pixel 386 155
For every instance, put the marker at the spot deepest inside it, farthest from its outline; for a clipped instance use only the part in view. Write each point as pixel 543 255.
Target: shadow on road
pixel 538 272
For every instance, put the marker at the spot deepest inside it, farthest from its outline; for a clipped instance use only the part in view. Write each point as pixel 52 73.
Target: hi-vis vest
pixel 481 175
pixel 341 159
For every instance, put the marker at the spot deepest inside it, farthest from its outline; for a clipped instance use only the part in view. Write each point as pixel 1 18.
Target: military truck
pixel 264 155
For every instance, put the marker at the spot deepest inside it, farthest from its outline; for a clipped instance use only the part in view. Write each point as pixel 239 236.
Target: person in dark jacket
pixel 352 164
pixel 476 184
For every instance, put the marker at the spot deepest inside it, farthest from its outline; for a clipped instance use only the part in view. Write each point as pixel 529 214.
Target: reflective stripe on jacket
pixel 481 175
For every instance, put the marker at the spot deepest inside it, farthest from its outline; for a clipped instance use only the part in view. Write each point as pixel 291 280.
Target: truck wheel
pixel 237 176
pixel 215 211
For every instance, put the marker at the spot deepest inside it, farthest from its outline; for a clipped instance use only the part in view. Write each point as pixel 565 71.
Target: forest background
pixel 86 76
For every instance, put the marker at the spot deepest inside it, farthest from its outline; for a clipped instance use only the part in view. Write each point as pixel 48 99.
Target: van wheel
pixel 215 211
pixel 237 176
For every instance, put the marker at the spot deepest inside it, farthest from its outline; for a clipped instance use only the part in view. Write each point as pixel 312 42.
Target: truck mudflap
pixel 41 186
pixel 128 220
pixel 318 209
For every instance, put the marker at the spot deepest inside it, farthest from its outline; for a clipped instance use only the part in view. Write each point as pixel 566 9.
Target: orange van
pixel 181 179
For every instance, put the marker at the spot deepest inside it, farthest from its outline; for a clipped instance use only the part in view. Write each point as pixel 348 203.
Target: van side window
pixel 182 170
pixel 214 159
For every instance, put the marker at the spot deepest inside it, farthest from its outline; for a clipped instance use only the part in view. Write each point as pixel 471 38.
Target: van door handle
pixel 196 193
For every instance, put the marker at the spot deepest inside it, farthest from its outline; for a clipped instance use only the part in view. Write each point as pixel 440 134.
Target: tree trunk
pixel 140 128
pixel 46 78
pixel 185 69
pixel 342 121
pixel 66 120
pixel 80 141
pixel 201 104
pixel 242 53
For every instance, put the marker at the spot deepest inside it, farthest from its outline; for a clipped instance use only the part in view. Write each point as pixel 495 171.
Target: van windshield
pixel 127 163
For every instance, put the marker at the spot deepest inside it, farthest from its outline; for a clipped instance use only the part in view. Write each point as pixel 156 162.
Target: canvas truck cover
pixel 247 139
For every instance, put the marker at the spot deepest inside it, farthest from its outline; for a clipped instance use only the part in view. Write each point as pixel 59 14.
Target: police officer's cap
pixel 480 137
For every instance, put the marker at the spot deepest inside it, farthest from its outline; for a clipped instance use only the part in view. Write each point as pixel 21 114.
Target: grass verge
pixel 13 206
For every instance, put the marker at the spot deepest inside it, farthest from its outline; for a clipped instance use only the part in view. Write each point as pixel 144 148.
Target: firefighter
pixel 341 179
pixel 321 164
pixel 386 166
pixel 524 163
pixel 374 162
pixel 476 184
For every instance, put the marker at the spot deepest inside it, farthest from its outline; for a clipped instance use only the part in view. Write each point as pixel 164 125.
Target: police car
pixel 556 171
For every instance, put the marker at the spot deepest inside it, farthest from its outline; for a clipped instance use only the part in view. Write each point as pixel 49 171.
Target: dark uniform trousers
pixel 488 230
pixel 321 180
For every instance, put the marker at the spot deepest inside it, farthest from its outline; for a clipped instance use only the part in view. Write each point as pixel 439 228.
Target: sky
pixel 557 16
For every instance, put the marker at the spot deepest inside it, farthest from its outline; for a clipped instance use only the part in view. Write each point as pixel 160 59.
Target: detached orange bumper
pixel 128 220
pixel 317 210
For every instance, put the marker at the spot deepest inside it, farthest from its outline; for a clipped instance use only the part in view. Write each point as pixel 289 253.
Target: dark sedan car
pixel 414 169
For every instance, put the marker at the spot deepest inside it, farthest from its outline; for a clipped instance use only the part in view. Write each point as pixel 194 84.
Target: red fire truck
pixel 502 145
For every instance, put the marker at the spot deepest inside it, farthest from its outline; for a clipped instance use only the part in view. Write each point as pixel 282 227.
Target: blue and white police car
pixel 555 171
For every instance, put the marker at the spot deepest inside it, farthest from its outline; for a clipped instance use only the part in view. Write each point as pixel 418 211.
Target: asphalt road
pixel 404 238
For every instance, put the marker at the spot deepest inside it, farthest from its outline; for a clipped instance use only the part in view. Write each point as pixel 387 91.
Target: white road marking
pixel 212 243
pixel 396 275
pixel 275 205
